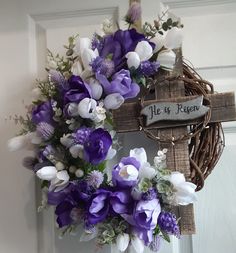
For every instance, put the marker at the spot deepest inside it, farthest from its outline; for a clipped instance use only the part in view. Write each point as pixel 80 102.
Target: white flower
pixel 77 68
pixel 17 143
pixel 67 140
pixel 159 41
pixel 86 107
pixel 174 38
pixel 107 26
pixel 76 151
pixel 73 109
pixel 167 59
pixel 122 242
pixel 137 244
pixel 47 173
pixel 96 88
pixel 60 181
pixel 113 101
pixel 82 44
pixel 34 138
pixel 184 191
pixel 88 235
pixel 110 154
pixel 128 172
pixel 146 170
pixel 87 56
pixel 98 114
pixel 142 52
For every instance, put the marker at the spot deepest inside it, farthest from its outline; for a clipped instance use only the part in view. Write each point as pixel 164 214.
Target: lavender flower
pixel 167 222
pixel 96 43
pixel 155 244
pixel 148 68
pixel 95 179
pixel 57 78
pixel 102 66
pixel 134 13
pixel 45 130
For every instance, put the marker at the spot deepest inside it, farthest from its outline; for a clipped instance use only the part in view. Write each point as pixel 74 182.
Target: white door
pixel 27 28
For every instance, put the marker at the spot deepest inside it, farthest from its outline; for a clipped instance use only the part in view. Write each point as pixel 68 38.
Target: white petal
pixel 139 154
pixel 76 151
pixel 158 40
pixel 133 60
pixel 137 244
pixel 167 59
pixel 87 56
pixel 144 50
pixel 67 140
pixel 176 178
pixel 87 73
pixel 96 88
pixel 86 107
pixel 111 153
pixel 122 242
pixel 81 44
pixel 79 173
pixel 76 68
pixel 73 109
pixel 174 38
pixel 146 171
pixel 17 143
pixel 34 138
pixel 113 101
pixel 47 173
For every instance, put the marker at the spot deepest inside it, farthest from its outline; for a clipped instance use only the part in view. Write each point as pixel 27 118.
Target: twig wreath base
pixel 206 140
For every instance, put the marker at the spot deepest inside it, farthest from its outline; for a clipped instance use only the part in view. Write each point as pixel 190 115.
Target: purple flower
pixel 57 78
pixel 43 113
pixel 103 66
pixel 45 130
pixel 82 135
pixel 134 13
pixel 96 42
pixel 146 213
pixel 121 83
pixel 148 68
pixel 97 145
pixel 77 90
pixel 167 222
pixel 99 207
pixel 125 174
pixel 121 202
pixel 119 44
pixel 150 194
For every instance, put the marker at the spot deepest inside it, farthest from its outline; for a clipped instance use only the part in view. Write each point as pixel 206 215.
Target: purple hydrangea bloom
pixel 121 83
pixel 97 145
pixel 82 135
pixel 43 113
pixel 148 68
pixel 77 90
pixel 117 45
pixel 103 66
pixel 98 209
pixel 167 222
pixel 120 176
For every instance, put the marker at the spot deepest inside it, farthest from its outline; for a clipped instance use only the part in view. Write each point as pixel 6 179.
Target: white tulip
pixel 86 107
pixel 159 41
pixel 76 151
pixel 137 244
pixel 184 192
pixel 47 173
pixel 17 143
pixel 96 88
pixel 76 68
pixel 133 60
pixel 113 101
pixel 144 50
pixel 147 171
pixel 174 38
pixel 60 181
pixel 139 154
pixel 128 172
pixel 122 242
pixel 88 55
pixel 81 44
pixel 167 59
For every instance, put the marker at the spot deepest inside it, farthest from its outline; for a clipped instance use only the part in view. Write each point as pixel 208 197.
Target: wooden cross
pixel 126 120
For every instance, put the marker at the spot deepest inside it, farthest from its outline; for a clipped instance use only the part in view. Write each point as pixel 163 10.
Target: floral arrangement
pixel 69 128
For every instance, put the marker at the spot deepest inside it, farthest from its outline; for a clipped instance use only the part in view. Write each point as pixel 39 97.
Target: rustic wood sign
pixel 169 111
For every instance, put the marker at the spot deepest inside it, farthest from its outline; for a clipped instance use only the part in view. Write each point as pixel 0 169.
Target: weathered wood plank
pixel 223 110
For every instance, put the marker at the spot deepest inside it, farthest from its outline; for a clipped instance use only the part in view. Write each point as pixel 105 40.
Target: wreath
pixel 69 128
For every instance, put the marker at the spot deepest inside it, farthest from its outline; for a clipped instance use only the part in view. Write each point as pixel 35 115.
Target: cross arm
pixel 222 105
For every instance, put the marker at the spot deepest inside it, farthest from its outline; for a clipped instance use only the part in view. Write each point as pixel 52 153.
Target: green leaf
pixel 169 21
pixel 165 26
pixel 160 32
pixel 44 184
pixel 165 236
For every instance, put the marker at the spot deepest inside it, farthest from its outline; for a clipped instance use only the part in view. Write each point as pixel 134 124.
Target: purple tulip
pixel 76 91
pixel 99 207
pixel 125 174
pixel 121 202
pixel 97 145
pixel 43 113
pixel 121 83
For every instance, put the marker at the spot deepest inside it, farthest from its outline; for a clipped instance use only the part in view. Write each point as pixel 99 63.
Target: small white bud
pixel 79 173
